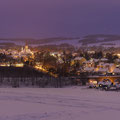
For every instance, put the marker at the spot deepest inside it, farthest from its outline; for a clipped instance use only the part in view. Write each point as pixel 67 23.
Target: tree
pixel 84 77
pixel 49 61
pixel 98 55
pixel 87 57
pixel 109 56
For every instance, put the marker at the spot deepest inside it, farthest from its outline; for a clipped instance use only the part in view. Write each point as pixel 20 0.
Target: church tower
pixel 26 45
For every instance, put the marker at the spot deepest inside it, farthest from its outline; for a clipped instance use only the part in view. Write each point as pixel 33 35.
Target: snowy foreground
pixel 75 103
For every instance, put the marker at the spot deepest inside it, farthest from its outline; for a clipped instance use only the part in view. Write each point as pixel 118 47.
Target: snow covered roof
pixel 104 59
pixel 78 58
pixel 116 70
pixel 89 61
pixel 118 60
pixel 95 60
pixel 103 70
pixel 106 64
pixel 112 64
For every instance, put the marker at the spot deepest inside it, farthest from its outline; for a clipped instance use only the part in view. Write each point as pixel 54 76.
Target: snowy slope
pixel 74 42
pixel 101 40
pixel 75 103
pixel 90 40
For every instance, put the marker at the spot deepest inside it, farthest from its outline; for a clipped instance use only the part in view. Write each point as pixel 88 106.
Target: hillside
pixel 89 40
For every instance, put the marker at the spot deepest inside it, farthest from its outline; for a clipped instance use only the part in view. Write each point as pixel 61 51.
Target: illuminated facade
pixel 25 52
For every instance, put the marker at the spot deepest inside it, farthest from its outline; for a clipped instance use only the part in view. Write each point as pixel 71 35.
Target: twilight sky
pixel 51 18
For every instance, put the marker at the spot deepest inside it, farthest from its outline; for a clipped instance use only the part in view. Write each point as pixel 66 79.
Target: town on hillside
pixel 59 65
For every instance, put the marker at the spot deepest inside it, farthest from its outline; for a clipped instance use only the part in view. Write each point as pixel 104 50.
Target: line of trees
pixel 28 77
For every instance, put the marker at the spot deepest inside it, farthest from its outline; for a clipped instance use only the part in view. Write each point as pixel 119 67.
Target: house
pixel 105 67
pixel 79 60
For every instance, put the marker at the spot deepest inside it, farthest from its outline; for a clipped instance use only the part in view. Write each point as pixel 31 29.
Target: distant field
pixel 90 40
pixel 38 42
pixel 101 40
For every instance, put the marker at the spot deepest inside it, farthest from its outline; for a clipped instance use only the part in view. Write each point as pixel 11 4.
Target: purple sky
pixel 51 18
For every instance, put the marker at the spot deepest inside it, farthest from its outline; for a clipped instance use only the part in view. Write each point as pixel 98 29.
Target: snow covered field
pixel 75 103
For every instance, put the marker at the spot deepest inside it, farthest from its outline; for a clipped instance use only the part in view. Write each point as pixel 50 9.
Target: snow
pixel 11 41
pixel 116 70
pixel 114 43
pixel 74 42
pixel 79 58
pixel 74 103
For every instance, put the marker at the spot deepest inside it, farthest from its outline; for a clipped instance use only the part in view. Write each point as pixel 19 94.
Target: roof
pixel 79 58
pixel 116 70
pixel 89 68
pixel 104 59
pixel 103 70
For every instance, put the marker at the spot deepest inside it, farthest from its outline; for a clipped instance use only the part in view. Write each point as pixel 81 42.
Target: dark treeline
pixel 29 77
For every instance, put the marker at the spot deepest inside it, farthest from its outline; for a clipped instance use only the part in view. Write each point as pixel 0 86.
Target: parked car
pixel 108 85
pixel 93 84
